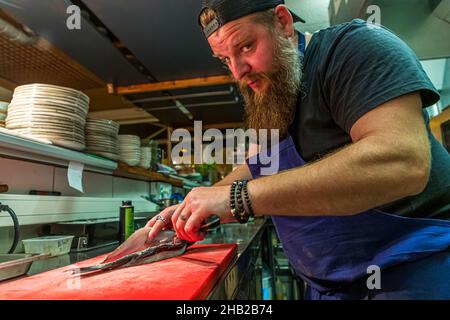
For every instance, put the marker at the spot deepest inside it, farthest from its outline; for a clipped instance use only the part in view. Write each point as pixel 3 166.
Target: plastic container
pixel 53 245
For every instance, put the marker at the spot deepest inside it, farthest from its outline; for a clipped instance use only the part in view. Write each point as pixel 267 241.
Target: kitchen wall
pixel 23 176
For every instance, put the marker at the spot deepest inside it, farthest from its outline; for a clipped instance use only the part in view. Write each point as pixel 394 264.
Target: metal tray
pixel 15 265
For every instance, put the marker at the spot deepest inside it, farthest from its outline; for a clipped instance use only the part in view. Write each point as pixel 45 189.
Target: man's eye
pixel 246 48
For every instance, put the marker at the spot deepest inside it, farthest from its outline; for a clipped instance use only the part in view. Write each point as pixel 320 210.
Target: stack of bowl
pixel 3 111
pixel 146 157
pixel 101 138
pixel 49 112
pixel 130 149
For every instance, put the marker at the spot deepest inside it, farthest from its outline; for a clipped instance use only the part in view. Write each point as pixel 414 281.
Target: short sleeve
pixel 367 67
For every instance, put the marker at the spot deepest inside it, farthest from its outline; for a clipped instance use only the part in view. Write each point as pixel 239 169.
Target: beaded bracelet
pixel 247 199
pixel 240 203
pixel 232 198
pixel 236 201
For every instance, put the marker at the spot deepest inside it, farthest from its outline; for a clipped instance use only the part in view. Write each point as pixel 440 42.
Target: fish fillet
pixel 136 251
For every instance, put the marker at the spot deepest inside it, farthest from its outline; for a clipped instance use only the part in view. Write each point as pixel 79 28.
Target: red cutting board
pixel 189 276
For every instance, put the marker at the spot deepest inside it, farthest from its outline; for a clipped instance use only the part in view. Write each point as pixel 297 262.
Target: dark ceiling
pixel 162 35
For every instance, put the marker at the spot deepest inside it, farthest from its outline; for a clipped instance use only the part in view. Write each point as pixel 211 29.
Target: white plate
pixel 58 115
pixel 40 87
pixel 45 122
pixel 51 136
pixel 131 155
pixel 103 122
pixel 130 147
pixel 101 137
pixel 102 145
pixel 56 129
pixel 104 134
pixel 128 138
pixel 48 105
pixel 69 144
pixel 31 109
pixel 42 126
pixel 98 147
pixel 27 98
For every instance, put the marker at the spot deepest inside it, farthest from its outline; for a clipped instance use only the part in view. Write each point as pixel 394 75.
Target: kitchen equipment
pixel 3 188
pixel 53 245
pixel 15 265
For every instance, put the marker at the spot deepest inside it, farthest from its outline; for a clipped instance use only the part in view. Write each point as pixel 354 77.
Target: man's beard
pixel 274 108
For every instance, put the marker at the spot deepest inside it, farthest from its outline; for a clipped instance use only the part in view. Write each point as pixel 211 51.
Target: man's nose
pixel 240 69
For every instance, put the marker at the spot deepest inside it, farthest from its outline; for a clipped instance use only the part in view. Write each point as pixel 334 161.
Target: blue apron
pixel 332 253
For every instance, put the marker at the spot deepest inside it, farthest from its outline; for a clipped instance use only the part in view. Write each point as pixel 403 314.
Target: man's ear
pixel 284 20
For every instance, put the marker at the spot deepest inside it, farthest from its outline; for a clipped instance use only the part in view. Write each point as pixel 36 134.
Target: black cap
pixel 229 10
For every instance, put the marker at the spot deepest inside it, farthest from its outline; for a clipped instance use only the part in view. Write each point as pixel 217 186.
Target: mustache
pixel 255 76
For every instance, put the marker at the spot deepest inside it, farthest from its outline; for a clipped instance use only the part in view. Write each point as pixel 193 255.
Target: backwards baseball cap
pixel 229 10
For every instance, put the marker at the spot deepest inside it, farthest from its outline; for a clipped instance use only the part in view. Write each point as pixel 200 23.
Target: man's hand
pixel 162 223
pixel 198 205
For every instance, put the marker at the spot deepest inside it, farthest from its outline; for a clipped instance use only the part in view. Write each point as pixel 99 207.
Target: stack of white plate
pixel 130 149
pixel 49 112
pixel 3 111
pixel 101 138
pixel 146 157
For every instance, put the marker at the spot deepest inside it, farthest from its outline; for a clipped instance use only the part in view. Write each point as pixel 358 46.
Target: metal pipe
pixel 195 105
pixel 14 34
pixel 186 96
pixel 13 215
pixel 184 110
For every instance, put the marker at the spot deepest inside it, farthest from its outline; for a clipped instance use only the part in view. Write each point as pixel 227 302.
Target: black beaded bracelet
pixel 240 203
pixel 232 198
pixel 238 188
pixel 247 199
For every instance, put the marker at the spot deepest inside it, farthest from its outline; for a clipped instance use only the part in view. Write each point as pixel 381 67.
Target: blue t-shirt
pixel 350 69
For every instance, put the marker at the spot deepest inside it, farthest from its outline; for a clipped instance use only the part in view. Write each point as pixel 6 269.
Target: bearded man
pixel 362 182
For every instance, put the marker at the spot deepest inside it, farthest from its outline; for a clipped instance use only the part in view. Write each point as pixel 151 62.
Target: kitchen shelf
pixel 137 173
pixel 15 146
pixel 19 147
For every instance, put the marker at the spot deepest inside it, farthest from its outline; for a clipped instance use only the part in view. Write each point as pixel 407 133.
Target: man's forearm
pixel 240 173
pixel 364 175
